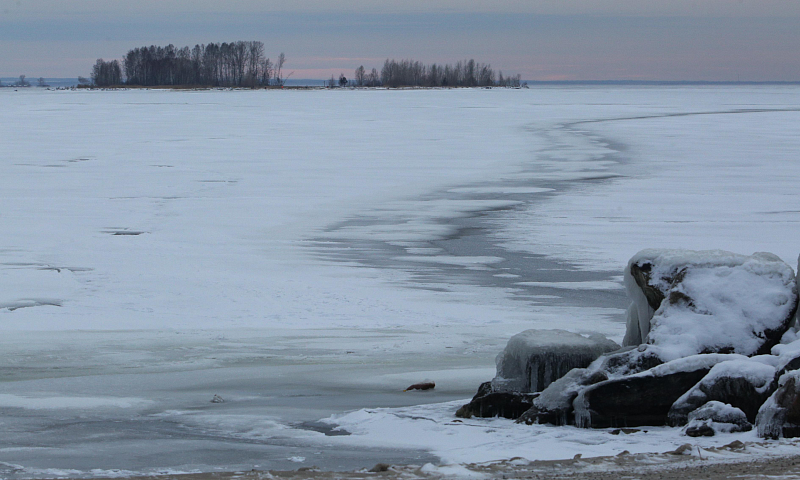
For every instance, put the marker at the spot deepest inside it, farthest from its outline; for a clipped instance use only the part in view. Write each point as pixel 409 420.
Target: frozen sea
pixel 306 255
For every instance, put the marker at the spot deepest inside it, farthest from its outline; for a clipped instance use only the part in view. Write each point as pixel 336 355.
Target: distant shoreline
pixel 318 84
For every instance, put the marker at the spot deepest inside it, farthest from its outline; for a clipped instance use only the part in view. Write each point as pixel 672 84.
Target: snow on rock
pixel 626 361
pixel 643 398
pixel 689 302
pixel 534 359
pixel 788 357
pixel 716 417
pixel 743 383
pixel 779 416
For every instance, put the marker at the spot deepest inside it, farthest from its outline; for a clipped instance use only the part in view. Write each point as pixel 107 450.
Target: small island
pixel 243 64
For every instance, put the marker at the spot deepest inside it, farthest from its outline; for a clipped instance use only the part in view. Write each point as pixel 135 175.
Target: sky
pixel 711 40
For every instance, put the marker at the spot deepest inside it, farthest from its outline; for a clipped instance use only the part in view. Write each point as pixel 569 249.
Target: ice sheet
pixel 167 246
pixel 717 173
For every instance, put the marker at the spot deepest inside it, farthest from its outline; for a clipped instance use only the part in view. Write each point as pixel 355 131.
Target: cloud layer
pixel 566 39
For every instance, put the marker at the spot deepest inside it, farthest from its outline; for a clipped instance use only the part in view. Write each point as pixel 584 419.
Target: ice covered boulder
pixel 534 359
pixel 531 361
pixel 643 398
pixel 691 302
pixel 716 417
pixel 555 404
pixel 744 383
pixel 490 403
pixel 780 414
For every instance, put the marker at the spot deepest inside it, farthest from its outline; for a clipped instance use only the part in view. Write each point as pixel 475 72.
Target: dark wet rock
pixel 701 429
pixel 490 403
pixel 780 414
pixel 644 398
pixel 534 359
pixel 743 383
pixel 626 431
pixel 688 302
pixel 380 467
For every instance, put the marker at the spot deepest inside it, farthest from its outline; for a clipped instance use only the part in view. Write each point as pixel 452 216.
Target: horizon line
pixel 559 82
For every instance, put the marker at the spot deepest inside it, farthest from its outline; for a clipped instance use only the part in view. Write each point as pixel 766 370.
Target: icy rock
pixel 780 414
pixel 691 302
pixel 788 357
pixel 490 403
pixel 716 417
pixel 555 404
pixel 643 398
pixel 626 361
pixel 743 383
pixel 534 359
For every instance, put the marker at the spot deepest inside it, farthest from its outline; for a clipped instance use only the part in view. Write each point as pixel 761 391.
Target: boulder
pixel 745 383
pixel 788 356
pixel 780 414
pixel 643 398
pixel 716 417
pixel 691 302
pixel 554 404
pixel 534 359
pixel 490 403
pixel 626 361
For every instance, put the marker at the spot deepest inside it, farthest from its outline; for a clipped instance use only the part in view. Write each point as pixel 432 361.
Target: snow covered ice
pixel 308 254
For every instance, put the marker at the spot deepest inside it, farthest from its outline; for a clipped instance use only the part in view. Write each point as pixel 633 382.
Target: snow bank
pixel 690 302
pixel 490 439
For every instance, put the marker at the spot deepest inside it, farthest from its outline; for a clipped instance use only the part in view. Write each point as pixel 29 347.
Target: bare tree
pixel 266 72
pixel 374 79
pixel 360 76
pixel 279 80
pixel 254 55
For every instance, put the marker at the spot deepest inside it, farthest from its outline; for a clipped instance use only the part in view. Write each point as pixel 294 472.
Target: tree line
pixel 411 73
pixel 243 64
pixel 235 64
